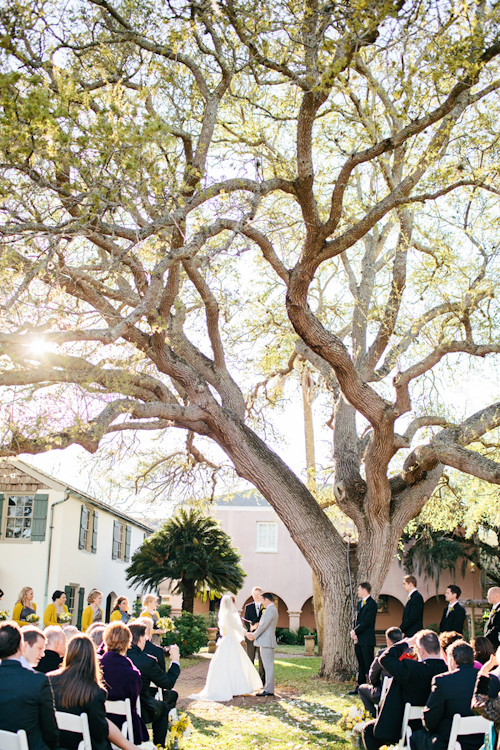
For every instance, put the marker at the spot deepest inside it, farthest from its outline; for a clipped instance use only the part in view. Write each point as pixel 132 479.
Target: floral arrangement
pixel 392 747
pixel 4 615
pixel 164 623
pixel 32 618
pixel 180 727
pixel 353 720
pixel 65 617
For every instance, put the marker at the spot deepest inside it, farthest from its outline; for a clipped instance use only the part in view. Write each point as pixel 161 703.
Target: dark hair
pixel 449 637
pixel 10 639
pixel 270 597
pixel 137 632
pixel 117 603
pixel 366 586
pixel 80 678
pixel 410 579
pixel 31 635
pixel 394 634
pixel 461 652
pixel 428 640
pixel 483 648
pixel 57 594
pixel 455 589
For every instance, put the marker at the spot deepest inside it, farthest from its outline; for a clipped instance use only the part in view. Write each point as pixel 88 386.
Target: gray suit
pixel 265 639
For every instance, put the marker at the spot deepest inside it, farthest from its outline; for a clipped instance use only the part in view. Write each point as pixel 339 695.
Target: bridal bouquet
pixel 4 615
pixel 33 619
pixel 164 623
pixel 65 617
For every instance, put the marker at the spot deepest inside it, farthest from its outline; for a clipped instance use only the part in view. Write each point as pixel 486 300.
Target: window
pixel 267 537
pixel 121 541
pixel 19 516
pixel 88 529
pixel 71 592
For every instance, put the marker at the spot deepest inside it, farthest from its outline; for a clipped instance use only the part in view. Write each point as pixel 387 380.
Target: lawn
pixel 304 716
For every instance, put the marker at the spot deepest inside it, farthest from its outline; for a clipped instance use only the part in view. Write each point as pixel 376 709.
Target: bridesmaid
pixel 54 610
pixel 92 613
pixel 121 610
pixel 24 606
pixel 150 602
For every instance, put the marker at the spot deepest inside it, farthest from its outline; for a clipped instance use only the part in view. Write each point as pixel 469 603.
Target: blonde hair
pixel 149 598
pixel 22 594
pixel 93 595
pixel 117 637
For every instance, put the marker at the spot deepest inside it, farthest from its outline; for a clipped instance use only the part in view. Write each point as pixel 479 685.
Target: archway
pixel 110 600
pixel 307 618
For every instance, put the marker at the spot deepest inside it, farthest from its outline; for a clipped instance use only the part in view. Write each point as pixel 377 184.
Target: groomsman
pixel 492 627
pixel 363 632
pixel 413 614
pixel 251 618
pixel 454 614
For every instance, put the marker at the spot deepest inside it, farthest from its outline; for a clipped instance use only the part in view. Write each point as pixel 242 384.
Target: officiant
pixel 251 619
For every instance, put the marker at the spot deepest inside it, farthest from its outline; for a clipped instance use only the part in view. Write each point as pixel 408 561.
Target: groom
pixel 265 639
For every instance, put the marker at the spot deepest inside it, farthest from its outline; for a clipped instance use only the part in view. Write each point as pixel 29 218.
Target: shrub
pixel 286 636
pixel 190 634
pixel 136 609
pixel 164 610
pixel 301 632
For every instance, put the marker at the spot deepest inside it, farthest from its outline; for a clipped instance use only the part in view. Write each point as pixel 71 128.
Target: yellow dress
pixel 116 615
pixel 50 615
pixel 155 616
pixel 88 618
pixel 16 614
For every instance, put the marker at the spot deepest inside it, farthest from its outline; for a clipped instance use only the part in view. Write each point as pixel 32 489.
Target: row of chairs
pixel 73 723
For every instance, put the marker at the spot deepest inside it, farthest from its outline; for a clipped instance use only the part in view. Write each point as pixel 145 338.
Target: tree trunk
pixel 188 597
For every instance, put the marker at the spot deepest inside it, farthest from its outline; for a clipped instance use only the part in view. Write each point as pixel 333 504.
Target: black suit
pixel 26 703
pixel 96 713
pixel 158 653
pixel 49 662
pixel 454 620
pixel 364 627
pixel 411 684
pixel 370 692
pixel 492 628
pixel 451 694
pixel 153 710
pixel 413 615
pixel 251 615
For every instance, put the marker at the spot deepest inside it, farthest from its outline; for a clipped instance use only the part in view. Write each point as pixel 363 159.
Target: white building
pixel 53 536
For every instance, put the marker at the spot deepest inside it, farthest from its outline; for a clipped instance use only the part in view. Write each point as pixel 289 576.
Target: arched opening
pixel 389 614
pixel 307 619
pixel 433 611
pixel 110 600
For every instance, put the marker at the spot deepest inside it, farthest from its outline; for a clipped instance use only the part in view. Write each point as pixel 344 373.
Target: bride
pixel 231 672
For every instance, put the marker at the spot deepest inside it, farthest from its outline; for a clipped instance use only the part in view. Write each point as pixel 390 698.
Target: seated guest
pixel 445 640
pixel 55 648
pixel 370 692
pixel 96 635
pixel 32 647
pixel 121 678
pixel 451 693
pixel 150 647
pixel 69 631
pixel 153 710
pixel 25 696
pixel 54 610
pixel 92 613
pixel 411 684
pixel 454 614
pixel 78 688
pixel 121 610
pixel 482 650
pixel 485 701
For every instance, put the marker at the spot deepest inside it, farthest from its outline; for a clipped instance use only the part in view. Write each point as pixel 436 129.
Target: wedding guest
pixel 25 696
pixel 482 650
pixel 482 703
pixel 123 680
pixel 149 603
pixel 55 648
pixel 32 647
pixel 454 614
pixel 121 610
pixel 78 688
pixel 69 631
pixel 152 710
pixel 54 610
pixel 93 612
pixel 370 692
pixel 96 635
pixel 446 639
pixel 150 647
pixel 24 606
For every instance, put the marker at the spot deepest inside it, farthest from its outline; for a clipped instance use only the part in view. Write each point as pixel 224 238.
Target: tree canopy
pixel 179 181
pixel 194 553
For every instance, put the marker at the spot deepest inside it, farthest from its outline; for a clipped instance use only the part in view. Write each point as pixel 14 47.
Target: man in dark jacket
pixel 411 684
pixel 492 627
pixel 55 648
pixel 370 692
pixel 251 618
pixel 152 710
pixel 454 614
pixel 363 632
pixel 26 700
pixel 451 693
pixel 413 614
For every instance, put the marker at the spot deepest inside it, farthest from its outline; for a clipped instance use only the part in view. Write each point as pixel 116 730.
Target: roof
pixel 245 499
pixel 20 479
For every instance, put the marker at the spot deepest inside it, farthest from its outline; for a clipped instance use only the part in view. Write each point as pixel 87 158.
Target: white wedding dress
pixel 231 672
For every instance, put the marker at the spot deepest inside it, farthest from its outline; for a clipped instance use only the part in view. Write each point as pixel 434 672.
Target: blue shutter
pixel 81 594
pixel 39 519
pixel 83 525
pixel 116 527
pixel 128 534
pixel 95 516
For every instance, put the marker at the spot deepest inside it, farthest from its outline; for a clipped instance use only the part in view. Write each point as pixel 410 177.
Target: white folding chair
pixel 122 708
pixel 466 725
pixel 138 705
pixel 78 724
pixel 13 740
pixel 411 712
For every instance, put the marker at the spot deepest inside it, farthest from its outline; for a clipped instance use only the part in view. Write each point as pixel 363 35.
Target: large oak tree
pixel 344 154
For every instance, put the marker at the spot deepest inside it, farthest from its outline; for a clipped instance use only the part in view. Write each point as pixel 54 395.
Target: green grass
pixel 304 717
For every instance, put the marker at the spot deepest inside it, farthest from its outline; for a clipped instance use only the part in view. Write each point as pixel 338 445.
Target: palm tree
pixel 193 551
